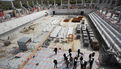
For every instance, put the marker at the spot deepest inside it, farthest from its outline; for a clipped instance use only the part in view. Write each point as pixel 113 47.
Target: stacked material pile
pixel 55 32
pixel 52 24
pixel 66 20
pixel 63 32
pixel 77 19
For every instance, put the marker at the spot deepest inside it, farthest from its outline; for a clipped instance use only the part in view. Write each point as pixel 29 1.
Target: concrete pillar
pixel 61 2
pixel 68 3
pixel 91 3
pixel 54 3
pixel 76 2
pixel 32 3
pixel 13 5
pixel 48 2
pixel 83 3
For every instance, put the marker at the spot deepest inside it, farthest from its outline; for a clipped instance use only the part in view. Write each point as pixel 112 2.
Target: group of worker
pixel 72 62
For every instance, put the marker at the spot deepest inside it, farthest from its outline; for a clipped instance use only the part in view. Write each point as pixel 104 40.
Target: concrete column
pixel 61 2
pixel 48 2
pixel 13 5
pixel 91 3
pixel 32 3
pixel 76 2
pixel 68 3
pixel 83 3
pixel 54 3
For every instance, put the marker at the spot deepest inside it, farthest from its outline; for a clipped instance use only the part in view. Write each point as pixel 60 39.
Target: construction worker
pixel 90 56
pixel 75 64
pixel 81 58
pixel 78 52
pixel 70 54
pixel 82 64
pixel 70 50
pixel 65 57
pixel 91 62
pixel 85 64
pixel 71 61
pixel 67 62
pixel 93 54
pixel 76 58
pixel 55 63
pixel 55 50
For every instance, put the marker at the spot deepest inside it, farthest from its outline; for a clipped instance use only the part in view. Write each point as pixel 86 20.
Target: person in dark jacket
pixel 55 50
pixel 82 64
pixel 91 62
pixel 67 62
pixel 70 50
pixel 70 54
pixel 71 61
pixel 90 56
pixel 78 52
pixel 55 63
pixel 75 64
pixel 65 57
pixel 85 64
pixel 81 58
pixel 93 54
